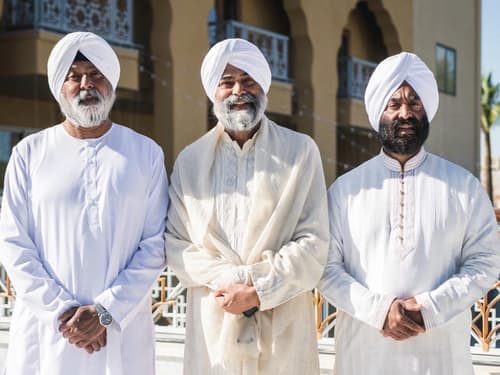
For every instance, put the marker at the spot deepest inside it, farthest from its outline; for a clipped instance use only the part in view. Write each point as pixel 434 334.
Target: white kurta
pixel 82 221
pixel 263 209
pixel 428 231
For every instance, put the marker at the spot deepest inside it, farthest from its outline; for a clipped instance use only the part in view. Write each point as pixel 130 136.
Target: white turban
pixel 388 77
pixel 239 53
pixel 93 47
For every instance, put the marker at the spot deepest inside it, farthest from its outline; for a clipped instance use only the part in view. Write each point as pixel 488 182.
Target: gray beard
pixel 240 120
pixel 87 116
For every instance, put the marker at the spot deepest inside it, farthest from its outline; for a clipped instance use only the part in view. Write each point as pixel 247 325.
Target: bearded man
pixel 81 228
pixel 247 228
pixel 413 240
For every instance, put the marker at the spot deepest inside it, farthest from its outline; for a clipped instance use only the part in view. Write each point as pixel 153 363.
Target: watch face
pixel 105 319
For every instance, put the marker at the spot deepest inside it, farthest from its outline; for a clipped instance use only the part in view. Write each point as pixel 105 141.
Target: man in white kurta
pixel 413 241
pixel 247 229
pixel 82 223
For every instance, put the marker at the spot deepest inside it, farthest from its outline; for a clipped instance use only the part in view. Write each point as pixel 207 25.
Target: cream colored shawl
pixel 285 245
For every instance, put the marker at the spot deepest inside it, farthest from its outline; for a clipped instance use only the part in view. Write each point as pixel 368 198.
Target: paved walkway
pixel 169 354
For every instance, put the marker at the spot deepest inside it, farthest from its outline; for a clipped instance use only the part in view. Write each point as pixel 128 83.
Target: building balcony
pixel 111 19
pixel 274 46
pixel 354 74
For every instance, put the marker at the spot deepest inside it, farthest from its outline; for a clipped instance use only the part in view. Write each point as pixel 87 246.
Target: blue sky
pixel 490 55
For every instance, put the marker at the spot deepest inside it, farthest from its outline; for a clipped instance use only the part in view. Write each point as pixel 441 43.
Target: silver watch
pixel 105 317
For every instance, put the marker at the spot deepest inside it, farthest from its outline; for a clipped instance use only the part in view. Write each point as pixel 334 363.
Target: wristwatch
pixel 105 317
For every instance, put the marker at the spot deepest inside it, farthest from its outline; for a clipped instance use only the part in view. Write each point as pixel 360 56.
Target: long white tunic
pixel 428 231
pixel 82 221
pixel 262 209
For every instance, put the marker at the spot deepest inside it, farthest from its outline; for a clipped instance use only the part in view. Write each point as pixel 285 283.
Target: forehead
pixel 232 71
pixel 404 91
pixel 80 66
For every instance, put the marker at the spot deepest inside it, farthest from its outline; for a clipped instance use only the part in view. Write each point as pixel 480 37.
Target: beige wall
pixel 455 129
pixel 264 14
pixel 29 50
pixel 316 29
pixel 179 40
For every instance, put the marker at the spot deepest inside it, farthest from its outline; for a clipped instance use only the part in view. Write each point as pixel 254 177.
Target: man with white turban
pixel 247 228
pixel 81 228
pixel 413 240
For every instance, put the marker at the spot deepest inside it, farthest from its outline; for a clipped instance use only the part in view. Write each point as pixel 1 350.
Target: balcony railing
pixel 274 46
pixel 169 309
pixel 111 19
pixel 354 74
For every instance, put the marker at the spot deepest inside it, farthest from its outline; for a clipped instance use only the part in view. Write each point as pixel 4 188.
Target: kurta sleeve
pixel 193 265
pixel 479 265
pixel 297 266
pixel 34 285
pixel 134 283
pixel 338 286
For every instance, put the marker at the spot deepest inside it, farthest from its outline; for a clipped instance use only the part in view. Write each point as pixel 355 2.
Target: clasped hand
pixel 237 298
pixel 81 327
pixel 404 320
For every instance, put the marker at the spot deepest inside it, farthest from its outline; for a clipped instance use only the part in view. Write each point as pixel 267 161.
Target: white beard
pixel 240 120
pixel 87 116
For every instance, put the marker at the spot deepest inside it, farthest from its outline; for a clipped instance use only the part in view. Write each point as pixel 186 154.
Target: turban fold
pixel 388 77
pixel 242 55
pixel 93 47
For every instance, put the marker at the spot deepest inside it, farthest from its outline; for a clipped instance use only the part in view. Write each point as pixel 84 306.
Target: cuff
pixel 106 300
pixel 383 307
pixel 429 312
pixel 259 274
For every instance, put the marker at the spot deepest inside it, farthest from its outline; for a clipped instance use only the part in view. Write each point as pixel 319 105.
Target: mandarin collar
pixel 227 141
pixel 394 165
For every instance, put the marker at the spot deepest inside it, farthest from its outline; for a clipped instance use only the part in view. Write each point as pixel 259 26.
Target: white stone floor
pixel 169 356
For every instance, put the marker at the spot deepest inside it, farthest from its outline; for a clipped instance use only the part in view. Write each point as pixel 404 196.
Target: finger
pixel 412 306
pixel 95 346
pixel 66 315
pixel 101 340
pixel 405 333
pixel 220 292
pixel 393 335
pixel 411 325
pixel 89 349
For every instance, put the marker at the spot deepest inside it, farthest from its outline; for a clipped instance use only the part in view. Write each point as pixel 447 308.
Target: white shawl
pixel 285 245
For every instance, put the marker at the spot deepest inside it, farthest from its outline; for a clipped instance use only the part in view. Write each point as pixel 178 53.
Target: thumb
pixel 220 292
pixel 412 305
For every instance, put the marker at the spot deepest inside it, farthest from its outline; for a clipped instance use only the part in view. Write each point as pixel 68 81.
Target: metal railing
pixel 111 19
pixel 274 46
pixel 169 309
pixel 354 74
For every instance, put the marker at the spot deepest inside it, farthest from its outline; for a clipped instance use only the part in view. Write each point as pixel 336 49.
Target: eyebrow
pixel 410 97
pixel 232 76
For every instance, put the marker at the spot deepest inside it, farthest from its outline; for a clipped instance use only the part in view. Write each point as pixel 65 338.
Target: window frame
pixel 444 80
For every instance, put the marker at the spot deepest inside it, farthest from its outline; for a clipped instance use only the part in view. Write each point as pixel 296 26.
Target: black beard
pixel 403 144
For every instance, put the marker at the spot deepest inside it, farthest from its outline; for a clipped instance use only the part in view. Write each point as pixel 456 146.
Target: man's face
pixel 239 100
pixel 87 96
pixel 404 126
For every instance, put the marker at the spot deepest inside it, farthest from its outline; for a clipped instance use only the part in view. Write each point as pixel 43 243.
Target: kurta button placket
pixel 92 193
pixel 402 205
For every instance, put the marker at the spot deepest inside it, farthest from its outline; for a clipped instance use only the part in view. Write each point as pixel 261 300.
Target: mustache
pixel 396 124
pixel 243 98
pixel 84 94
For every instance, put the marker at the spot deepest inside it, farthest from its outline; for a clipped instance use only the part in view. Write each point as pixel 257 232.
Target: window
pixel 446 64
pixel 8 139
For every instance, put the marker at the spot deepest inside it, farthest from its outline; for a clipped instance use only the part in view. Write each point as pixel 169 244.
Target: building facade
pixel 322 53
